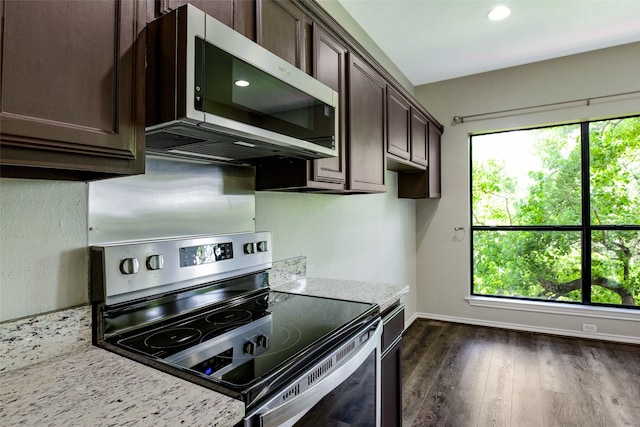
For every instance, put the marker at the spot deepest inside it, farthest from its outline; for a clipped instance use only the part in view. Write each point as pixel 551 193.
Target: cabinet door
pixel 280 29
pixel 72 94
pixel 398 117
pixel 245 18
pixel 391 386
pixel 329 67
pixel 391 375
pixel 419 137
pixel 222 10
pixel 434 162
pixel 367 137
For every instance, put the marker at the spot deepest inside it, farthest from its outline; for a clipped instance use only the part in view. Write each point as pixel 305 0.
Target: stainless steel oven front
pixel 340 389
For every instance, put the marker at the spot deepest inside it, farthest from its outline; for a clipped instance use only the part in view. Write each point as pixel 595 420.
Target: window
pixel 556 213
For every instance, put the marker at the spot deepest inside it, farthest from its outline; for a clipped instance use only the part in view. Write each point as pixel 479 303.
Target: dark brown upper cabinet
pixel 362 130
pixel 419 137
pixel 281 28
pixel 329 175
pixel 407 133
pixel 424 184
pixel 329 67
pixel 366 151
pixel 398 122
pixel 72 93
pixel 237 14
pixel 435 137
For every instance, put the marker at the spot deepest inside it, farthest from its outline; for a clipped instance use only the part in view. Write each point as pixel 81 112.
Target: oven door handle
pixel 274 412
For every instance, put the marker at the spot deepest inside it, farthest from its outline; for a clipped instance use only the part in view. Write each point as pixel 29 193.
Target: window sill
pixel 555 308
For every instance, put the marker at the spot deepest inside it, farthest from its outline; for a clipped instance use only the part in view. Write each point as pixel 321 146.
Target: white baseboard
pixel 519 327
pixel 413 319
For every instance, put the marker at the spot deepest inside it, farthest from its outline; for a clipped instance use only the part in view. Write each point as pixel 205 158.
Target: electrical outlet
pixel 589 327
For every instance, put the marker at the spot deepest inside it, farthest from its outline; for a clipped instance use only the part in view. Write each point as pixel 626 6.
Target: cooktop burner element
pixel 219 331
pixel 229 316
pixel 206 325
pixel 174 337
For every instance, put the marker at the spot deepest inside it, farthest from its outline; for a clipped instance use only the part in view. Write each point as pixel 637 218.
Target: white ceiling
pixel 433 40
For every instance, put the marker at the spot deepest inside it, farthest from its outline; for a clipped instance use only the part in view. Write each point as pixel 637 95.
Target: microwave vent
pixel 187 141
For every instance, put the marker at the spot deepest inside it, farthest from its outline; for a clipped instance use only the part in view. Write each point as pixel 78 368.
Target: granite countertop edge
pixel 384 294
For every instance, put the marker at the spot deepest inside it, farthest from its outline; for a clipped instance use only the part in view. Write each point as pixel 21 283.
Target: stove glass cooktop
pixel 240 344
pixel 168 340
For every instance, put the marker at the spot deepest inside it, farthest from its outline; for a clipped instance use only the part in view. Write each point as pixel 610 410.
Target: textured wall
pixel 43 246
pixel 43 231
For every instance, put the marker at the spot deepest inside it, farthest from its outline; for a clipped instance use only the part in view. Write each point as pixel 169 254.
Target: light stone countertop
pixel 50 374
pixel 383 294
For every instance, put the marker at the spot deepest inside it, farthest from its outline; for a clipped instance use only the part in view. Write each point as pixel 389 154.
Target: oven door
pixel 342 389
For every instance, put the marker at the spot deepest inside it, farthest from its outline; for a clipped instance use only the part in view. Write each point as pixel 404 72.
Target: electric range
pixel 200 308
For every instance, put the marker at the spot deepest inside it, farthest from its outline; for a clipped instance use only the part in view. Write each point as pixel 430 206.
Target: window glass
pixel 615 267
pixel 614 166
pixel 529 177
pixel 531 264
pixel 556 213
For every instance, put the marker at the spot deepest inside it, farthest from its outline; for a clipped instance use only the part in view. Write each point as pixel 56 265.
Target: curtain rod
pixel 587 101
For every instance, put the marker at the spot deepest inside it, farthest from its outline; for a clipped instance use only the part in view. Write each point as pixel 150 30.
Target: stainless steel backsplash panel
pixel 173 198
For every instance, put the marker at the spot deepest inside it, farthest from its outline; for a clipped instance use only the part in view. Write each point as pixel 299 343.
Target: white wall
pixel 43 246
pixel 443 259
pixel 368 237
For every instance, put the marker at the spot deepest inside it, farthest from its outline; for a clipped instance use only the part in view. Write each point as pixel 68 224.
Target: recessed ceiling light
pixel 498 13
pixel 241 83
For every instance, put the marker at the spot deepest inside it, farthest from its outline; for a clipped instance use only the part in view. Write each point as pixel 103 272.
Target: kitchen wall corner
pixel 368 237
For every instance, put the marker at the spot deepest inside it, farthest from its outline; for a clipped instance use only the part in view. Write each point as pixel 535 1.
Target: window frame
pixel 586 227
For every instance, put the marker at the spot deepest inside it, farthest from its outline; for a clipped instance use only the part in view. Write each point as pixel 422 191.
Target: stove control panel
pixel 205 254
pixel 260 345
pixel 155 262
pixel 132 270
pixel 129 266
pixel 253 247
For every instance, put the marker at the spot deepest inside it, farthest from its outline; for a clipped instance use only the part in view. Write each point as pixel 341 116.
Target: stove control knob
pixel 263 341
pixel 129 266
pixel 250 348
pixel 249 248
pixel 155 262
pixel 262 246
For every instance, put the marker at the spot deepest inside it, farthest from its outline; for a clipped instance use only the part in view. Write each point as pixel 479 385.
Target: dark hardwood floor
pixel 463 376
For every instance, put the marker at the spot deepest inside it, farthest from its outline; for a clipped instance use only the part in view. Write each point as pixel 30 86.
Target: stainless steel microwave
pixel 213 94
